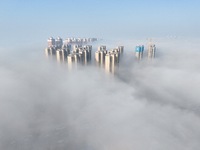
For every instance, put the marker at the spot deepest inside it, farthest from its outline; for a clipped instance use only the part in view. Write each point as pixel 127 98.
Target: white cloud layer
pixel 147 105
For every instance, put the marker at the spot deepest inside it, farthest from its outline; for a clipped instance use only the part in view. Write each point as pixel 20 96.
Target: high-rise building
pixel 139 52
pixel 100 55
pixel 81 58
pixel 97 56
pixel 121 49
pixel 80 54
pixel 88 48
pixel 68 40
pixel 112 60
pixel 108 62
pixel 51 42
pixel 59 42
pixel 101 48
pixel 76 58
pixel 85 56
pixel 151 51
pixel 70 58
pixel 59 55
pixel 68 48
pixel 76 46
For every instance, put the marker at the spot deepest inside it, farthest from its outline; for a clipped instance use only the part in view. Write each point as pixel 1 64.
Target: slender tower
pixel 151 50
pixel 59 42
pixel 51 42
pixel 139 52
pixel 108 62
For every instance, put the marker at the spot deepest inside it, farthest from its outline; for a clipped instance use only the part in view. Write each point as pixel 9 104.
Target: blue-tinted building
pixel 139 51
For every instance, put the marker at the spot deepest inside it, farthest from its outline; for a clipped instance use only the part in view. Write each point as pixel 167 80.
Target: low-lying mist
pixel 150 105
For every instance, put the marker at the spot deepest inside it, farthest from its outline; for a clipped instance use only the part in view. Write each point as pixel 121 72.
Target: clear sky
pixel 39 19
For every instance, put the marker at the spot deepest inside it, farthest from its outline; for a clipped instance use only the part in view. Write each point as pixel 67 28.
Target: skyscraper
pixel 139 52
pixel 100 55
pixel 108 62
pixel 88 48
pixel 77 46
pixel 70 59
pixel 151 51
pixel 121 49
pixel 51 42
pixel 59 55
pixel 68 48
pixel 101 48
pixel 59 42
pixel 112 60
pixel 97 56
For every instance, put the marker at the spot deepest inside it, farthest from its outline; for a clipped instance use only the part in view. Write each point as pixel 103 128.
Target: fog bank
pixel 147 105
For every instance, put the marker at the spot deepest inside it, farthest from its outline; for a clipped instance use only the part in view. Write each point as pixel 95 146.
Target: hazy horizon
pixel 34 21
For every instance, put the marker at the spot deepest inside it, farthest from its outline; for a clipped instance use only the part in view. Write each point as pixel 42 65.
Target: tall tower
pixel 108 62
pixel 101 48
pixel 59 55
pixel 100 54
pixel 68 48
pixel 102 57
pixel 89 51
pixel 59 42
pixel 70 59
pixel 151 51
pixel 139 52
pixel 76 47
pixel 121 49
pixel 97 56
pixel 51 42
pixel 85 56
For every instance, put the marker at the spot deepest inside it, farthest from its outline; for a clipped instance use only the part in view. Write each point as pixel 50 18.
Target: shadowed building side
pixel 121 50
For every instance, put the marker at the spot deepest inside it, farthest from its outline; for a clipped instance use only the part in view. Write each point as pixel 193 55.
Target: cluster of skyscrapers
pixel 139 51
pixel 74 51
pixel 80 54
pixel 56 47
pixel 55 43
pixel 64 52
pixel 109 59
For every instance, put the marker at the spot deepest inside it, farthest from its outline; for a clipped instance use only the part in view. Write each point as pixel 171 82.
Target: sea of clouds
pixel 147 105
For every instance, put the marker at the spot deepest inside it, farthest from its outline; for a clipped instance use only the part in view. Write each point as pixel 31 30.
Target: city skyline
pixel 75 51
